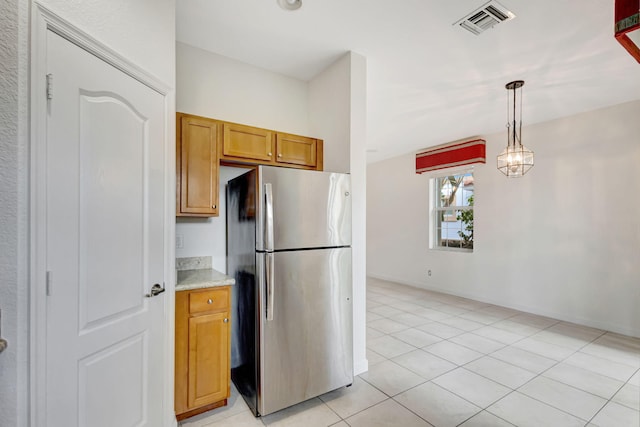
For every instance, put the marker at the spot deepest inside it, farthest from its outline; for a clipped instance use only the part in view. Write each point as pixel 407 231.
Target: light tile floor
pixel 440 360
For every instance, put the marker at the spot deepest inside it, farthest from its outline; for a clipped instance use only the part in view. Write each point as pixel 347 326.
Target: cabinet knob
pixel 269 154
pixel 209 301
pixel 280 155
pixel 226 320
pixel 214 206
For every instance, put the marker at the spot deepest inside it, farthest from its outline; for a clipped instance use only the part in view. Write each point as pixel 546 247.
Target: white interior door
pixel 104 244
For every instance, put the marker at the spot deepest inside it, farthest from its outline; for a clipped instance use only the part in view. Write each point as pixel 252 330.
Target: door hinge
pixel 49 283
pixel 49 86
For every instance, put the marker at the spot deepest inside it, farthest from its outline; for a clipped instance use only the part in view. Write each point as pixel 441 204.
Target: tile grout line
pixel 549 368
pixel 614 395
pixel 392 398
pixel 524 336
pixel 368 407
pixel 505 346
pixel 484 410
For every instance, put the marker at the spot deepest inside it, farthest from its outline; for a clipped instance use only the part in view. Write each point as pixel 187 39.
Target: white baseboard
pixel 360 367
pixel 606 326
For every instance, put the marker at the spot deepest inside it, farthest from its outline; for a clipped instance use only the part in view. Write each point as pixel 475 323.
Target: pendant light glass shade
pixel 516 159
pixel 290 4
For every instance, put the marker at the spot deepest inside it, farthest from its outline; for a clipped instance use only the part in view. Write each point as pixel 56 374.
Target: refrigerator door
pixel 309 209
pixel 306 350
pixel 241 265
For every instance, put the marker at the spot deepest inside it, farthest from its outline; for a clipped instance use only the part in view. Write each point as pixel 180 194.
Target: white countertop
pixel 202 278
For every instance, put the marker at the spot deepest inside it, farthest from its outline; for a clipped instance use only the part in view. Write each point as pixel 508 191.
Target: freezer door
pixel 306 350
pixel 310 209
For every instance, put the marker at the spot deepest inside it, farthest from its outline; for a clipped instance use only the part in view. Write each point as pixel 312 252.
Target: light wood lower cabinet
pixel 202 350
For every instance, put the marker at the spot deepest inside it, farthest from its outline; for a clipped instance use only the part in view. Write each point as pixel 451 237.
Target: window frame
pixel 434 210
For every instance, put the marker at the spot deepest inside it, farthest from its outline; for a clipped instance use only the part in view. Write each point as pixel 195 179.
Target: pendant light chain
pixel 520 131
pixel 508 122
pixel 515 134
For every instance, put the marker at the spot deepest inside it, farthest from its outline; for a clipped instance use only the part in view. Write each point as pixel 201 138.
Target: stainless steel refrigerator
pixel 289 250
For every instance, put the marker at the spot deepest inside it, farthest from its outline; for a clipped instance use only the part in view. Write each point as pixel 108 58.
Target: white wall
pixel 13 211
pixel 215 86
pixel 358 156
pixel 338 114
pixel 562 241
pixel 330 107
pixel 208 236
pixel 143 32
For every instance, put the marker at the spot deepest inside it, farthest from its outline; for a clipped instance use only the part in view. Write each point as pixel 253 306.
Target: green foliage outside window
pixel 466 216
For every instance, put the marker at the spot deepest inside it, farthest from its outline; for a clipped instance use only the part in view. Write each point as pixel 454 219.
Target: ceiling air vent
pixel 485 17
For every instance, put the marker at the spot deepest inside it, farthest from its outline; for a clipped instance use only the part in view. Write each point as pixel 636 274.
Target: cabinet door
pixel 247 142
pixel 197 156
pixel 208 359
pixel 296 150
pixel 181 353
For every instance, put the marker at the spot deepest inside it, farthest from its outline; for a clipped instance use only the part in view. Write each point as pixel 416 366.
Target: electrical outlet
pixel 179 241
pixel 429 273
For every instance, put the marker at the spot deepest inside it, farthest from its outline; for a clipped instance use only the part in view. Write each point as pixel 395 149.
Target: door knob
pixel 155 290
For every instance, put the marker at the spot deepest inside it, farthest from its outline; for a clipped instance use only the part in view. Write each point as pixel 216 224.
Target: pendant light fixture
pixel 290 4
pixel 516 159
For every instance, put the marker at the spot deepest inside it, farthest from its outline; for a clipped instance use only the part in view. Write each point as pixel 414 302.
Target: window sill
pixel 449 249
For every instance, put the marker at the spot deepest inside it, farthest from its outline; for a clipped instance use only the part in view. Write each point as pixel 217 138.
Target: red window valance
pixel 450 155
pixel 627 21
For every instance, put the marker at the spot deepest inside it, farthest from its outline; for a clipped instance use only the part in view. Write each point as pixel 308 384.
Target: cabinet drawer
pixel 209 300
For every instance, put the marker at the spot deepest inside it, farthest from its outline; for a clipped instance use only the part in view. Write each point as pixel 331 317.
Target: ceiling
pixel 429 81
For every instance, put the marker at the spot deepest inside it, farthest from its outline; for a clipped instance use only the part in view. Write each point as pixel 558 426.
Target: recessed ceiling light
pixel 290 4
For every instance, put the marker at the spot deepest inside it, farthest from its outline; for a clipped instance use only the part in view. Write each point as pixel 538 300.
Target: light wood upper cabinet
pixel 202 143
pixel 296 150
pixel 247 142
pixel 257 146
pixel 197 166
pixel 202 350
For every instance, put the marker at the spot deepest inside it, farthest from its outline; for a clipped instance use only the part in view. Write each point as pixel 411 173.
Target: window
pixel 452 212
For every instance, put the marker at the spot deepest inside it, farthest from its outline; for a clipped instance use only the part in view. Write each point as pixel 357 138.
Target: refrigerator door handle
pixel 268 229
pixel 270 279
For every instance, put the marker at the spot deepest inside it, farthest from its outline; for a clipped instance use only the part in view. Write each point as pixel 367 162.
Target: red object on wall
pixel 627 20
pixel 451 155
